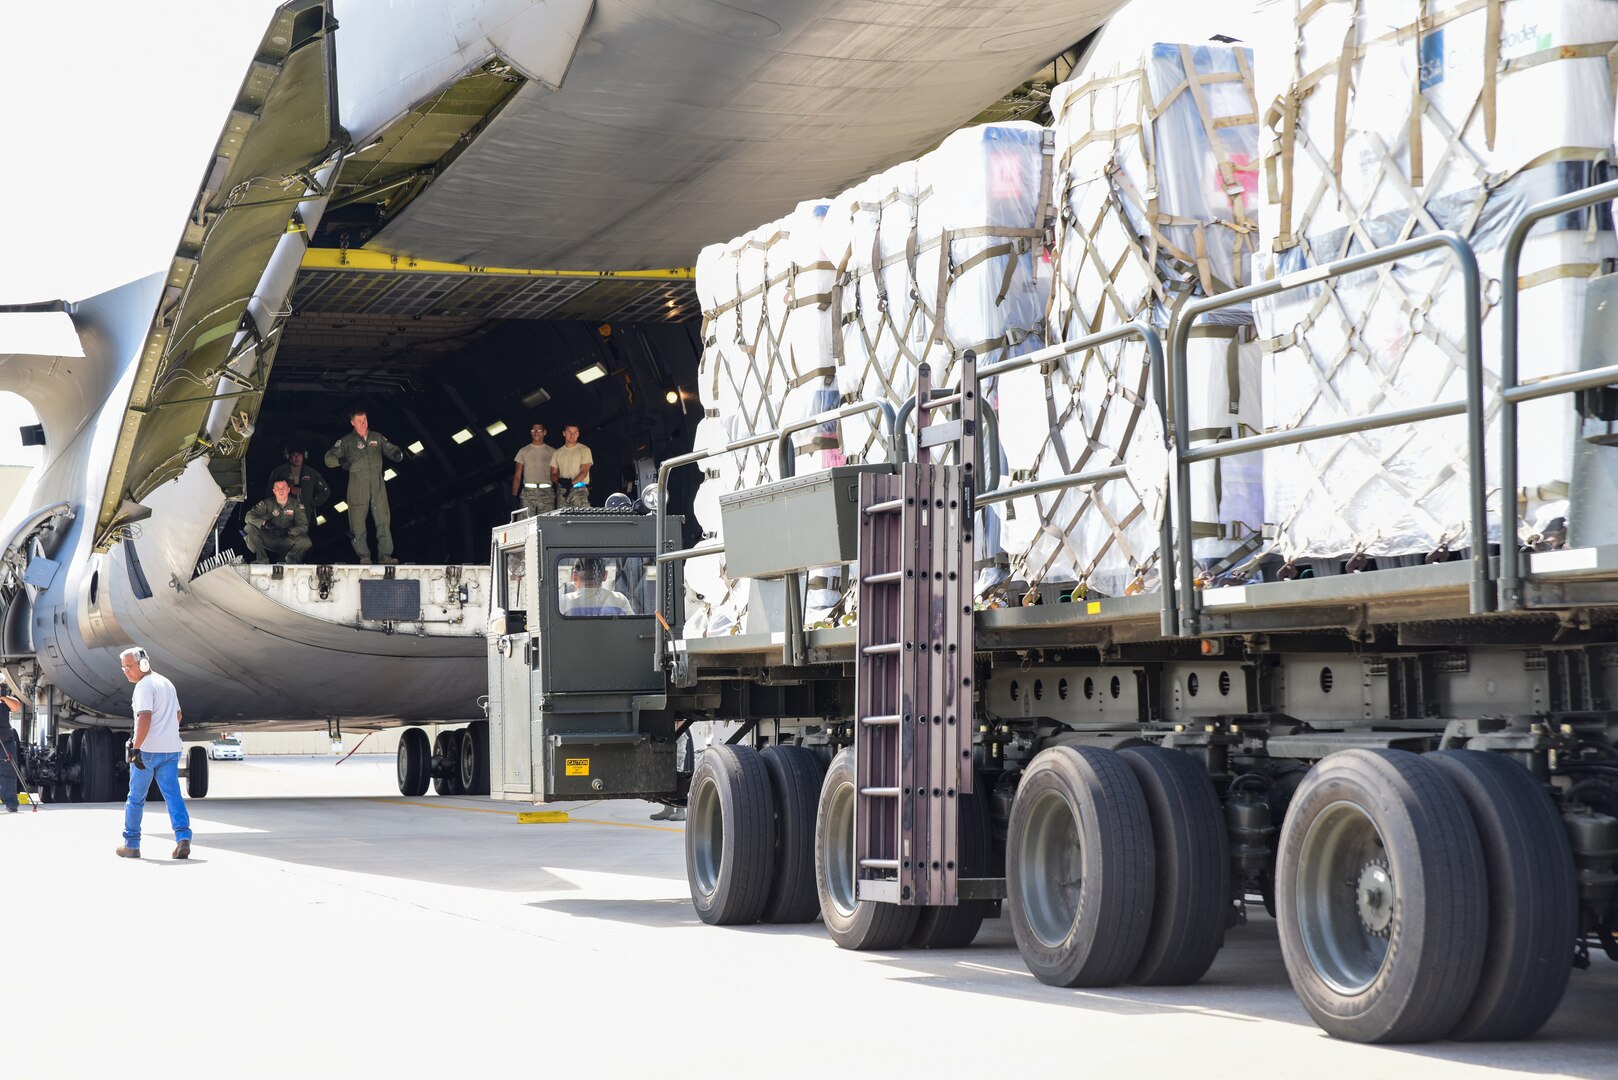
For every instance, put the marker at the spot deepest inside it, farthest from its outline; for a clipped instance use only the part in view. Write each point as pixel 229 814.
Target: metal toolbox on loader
pixel 794 524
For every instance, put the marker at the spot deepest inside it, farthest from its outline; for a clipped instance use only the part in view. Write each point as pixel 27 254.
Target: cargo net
pixel 1155 189
pixel 1383 127
pixel 842 302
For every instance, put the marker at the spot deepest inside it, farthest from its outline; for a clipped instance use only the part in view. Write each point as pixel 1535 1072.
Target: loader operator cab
pixel 576 707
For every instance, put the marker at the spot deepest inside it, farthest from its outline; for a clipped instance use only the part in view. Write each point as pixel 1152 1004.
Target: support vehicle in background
pixel 1415 770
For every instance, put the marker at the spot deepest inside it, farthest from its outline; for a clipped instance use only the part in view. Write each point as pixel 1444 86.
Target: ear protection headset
pixel 143 661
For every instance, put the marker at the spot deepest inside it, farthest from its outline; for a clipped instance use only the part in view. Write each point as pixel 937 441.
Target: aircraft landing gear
pixel 455 763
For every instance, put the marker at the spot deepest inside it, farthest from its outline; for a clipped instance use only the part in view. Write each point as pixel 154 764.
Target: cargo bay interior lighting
pixel 416 448
pixel 461 436
pixel 320 519
pixel 496 428
pixel 590 374
pixel 389 475
pixel 672 397
pixel 341 508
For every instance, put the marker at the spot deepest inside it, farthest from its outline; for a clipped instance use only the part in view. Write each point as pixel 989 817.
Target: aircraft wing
pixel 281 130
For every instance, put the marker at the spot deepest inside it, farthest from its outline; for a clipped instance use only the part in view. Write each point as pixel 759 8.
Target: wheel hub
pixel 1374 897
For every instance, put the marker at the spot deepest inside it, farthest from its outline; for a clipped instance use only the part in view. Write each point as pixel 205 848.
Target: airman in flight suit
pixel 278 526
pixel 360 452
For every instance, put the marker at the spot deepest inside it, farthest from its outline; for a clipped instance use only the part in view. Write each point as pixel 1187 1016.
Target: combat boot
pixel 128 853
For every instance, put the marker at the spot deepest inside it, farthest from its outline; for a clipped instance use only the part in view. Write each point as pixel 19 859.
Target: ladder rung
pixel 885 649
pixel 884 579
pixel 880 721
pixel 889 507
pixel 881 792
pixel 943 402
pixel 879 864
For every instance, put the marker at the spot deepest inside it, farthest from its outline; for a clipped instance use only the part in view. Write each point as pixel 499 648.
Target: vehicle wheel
pixel 415 761
pixel 466 762
pixel 795 777
pixel 71 791
pixel 1533 896
pixel 474 758
pixel 852 923
pixel 196 772
pixel 1380 897
pixel 1080 867
pixel 446 763
pixel 729 836
pixel 954 927
pixel 1191 904
pixel 96 766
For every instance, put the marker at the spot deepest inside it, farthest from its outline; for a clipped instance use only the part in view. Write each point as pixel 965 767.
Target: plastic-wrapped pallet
pixel 767 361
pixel 1389 128
pixel 942 255
pixel 1156 170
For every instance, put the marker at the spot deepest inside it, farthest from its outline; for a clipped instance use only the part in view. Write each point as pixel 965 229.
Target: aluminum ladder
pixel 913 668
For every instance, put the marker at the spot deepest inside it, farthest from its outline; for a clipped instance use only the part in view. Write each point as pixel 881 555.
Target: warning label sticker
pixel 578 766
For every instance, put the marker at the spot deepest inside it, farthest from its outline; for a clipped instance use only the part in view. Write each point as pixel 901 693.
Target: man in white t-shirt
pixel 153 750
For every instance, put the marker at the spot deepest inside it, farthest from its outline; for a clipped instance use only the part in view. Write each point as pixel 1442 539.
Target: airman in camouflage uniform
pixel 570 469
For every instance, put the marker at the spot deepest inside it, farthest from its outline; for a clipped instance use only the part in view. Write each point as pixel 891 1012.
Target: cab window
pixel 513 580
pixel 603 587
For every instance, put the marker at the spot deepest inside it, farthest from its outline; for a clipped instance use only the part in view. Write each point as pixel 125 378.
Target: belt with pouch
pixel 536 485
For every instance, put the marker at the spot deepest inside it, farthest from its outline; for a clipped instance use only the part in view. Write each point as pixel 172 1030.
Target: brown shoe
pixel 129 853
pixel 182 850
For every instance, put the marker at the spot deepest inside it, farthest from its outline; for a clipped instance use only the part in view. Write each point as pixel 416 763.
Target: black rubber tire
pixel 730 836
pixel 478 732
pixel 196 772
pixel 414 762
pixel 852 923
pixel 446 759
pixel 1191 905
pixel 795 778
pixel 466 762
pixel 955 927
pixel 74 792
pixel 1436 928
pixel 1095 932
pixel 1533 896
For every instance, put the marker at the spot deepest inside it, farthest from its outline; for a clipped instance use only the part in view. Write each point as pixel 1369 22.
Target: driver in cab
pixel 589 597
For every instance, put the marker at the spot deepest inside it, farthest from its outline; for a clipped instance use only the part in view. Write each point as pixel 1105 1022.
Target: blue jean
pixel 167 768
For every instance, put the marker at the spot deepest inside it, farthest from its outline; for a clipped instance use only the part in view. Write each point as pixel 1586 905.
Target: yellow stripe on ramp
pixel 524 817
pixel 542 817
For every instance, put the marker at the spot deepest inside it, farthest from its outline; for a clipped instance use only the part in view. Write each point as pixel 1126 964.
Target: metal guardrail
pixel 781 437
pixel 1513 392
pixel 1170 378
pixel 1046 359
pixel 1481 597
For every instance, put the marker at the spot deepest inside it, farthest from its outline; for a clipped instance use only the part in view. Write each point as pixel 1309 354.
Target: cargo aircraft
pixel 461 217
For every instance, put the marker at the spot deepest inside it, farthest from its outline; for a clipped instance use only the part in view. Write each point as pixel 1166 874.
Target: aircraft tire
pixel 447 752
pixel 415 763
pixel 74 792
pixel 196 772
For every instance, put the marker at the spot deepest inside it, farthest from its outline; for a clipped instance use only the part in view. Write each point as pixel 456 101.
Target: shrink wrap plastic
pixel 1458 123
pixel 1156 169
pixel 844 302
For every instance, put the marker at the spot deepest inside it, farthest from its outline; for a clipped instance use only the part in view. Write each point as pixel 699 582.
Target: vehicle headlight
pixel 650 496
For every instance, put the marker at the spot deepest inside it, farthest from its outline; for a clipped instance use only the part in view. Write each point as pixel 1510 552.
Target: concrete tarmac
pixel 327 927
